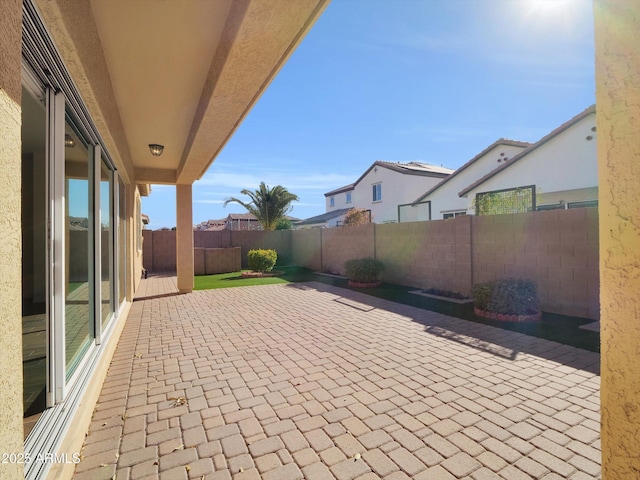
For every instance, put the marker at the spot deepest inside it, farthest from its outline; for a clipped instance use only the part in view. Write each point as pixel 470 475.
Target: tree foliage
pixel 284 224
pixel 357 216
pixel 268 205
pixel 515 200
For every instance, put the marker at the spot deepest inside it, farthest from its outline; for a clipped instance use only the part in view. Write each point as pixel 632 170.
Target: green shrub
pixel 363 270
pixel 513 296
pixel 262 260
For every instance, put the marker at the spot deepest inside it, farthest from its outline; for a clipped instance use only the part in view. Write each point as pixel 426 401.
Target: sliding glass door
pixel 106 231
pixel 35 306
pixel 79 218
pixel 69 193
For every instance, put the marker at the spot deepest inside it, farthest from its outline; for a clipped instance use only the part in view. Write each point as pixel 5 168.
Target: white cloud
pixel 293 181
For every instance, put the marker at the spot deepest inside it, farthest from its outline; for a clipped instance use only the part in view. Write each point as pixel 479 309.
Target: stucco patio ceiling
pixel 179 73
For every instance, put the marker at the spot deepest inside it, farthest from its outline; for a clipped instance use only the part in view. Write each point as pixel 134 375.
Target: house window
pixel 453 215
pixel 332 201
pixel 348 197
pixel 377 192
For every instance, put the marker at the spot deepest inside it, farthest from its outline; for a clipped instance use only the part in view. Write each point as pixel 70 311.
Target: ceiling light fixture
pixel 156 149
pixel 69 141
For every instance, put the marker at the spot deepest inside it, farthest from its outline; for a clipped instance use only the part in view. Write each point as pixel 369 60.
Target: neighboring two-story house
pixel 558 171
pixel 443 198
pixel 383 187
pixel 561 169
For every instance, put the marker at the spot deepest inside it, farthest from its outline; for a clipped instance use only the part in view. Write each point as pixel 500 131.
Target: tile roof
pixel 500 141
pixel 414 168
pixel 324 217
pixel 409 168
pixel 346 188
pixel 241 216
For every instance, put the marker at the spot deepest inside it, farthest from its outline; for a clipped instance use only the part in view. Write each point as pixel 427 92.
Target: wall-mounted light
pixel 69 142
pixel 156 149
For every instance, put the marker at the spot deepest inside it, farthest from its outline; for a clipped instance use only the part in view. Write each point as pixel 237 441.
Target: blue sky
pixel 401 80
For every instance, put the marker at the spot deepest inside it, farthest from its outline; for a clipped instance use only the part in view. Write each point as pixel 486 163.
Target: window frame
pixel 377 192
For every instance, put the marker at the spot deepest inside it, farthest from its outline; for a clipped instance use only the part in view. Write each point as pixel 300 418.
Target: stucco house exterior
pixel 443 197
pixel 384 186
pixel 562 168
pixel 333 218
pixel 84 42
pixel 99 100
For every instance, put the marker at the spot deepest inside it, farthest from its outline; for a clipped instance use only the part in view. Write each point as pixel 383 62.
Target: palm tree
pixel 267 205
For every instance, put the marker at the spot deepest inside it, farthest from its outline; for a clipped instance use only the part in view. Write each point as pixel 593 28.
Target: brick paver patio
pixel 312 381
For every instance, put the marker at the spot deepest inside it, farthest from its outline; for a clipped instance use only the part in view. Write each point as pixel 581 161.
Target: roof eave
pixel 554 133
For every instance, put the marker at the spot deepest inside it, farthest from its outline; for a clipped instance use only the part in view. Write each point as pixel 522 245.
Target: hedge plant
pixel 262 260
pixel 511 296
pixel 363 270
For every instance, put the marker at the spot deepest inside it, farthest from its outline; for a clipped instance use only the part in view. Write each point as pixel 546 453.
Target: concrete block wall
pixel 306 248
pixel 278 240
pixel 557 249
pixel 147 250
pixel 426 254
pixel 164 251
pixel 406 253
pixel 213 239
pixel 342 244
pixel 209 261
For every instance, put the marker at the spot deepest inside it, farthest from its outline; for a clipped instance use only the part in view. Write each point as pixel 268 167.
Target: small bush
pixel 357 216
pixel 512 296
pixel 363 270
pixel 262 260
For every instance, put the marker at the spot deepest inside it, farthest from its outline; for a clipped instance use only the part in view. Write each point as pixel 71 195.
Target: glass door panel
pixel 106 232
pixel 35 311
pixel 79 252
pixel 122 236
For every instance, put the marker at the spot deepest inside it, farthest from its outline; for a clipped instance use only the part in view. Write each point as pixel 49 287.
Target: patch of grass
pixel 235 279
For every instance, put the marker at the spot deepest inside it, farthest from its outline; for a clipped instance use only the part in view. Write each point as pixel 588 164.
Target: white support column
pixel 184 238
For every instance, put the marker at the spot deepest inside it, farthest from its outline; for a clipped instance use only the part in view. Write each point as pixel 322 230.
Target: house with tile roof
pixel 333 218
pixel 384 186
pixel 561 169
pixel 442 199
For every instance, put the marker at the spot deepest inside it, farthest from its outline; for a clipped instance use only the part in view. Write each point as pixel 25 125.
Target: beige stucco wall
pixel 74 32
pixel 11 431
pixel 617 23
pixel 184 238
